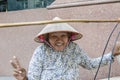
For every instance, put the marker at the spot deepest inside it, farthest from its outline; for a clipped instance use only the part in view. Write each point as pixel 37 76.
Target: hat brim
pixel 76 36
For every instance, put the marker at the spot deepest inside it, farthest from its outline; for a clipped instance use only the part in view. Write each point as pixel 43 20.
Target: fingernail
pixel 14 57
pixel 10 61
pixel 20 71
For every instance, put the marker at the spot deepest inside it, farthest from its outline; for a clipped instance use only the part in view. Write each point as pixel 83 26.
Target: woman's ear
pixel 72 36
pixel 42 38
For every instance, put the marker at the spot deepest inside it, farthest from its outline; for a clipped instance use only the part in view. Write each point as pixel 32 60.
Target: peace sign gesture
pixel 19 72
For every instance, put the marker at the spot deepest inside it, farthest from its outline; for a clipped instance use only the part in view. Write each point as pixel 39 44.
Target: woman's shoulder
pixel 73 44
pixel 40 48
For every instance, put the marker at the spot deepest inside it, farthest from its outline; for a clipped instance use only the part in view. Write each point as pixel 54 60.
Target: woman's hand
pixel 117 49
pixel 19 72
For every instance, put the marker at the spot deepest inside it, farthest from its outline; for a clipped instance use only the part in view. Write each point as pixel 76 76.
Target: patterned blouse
pixel 48 64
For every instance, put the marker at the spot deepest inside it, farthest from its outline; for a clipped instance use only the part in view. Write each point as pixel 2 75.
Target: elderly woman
pixel 58 58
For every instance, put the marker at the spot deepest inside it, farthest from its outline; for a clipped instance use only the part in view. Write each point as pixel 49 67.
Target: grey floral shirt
pixel 48 64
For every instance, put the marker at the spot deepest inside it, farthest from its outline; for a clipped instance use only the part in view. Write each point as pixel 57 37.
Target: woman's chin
pixel 59 49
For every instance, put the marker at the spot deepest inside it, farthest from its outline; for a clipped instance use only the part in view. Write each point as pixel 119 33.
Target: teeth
pixel 59 44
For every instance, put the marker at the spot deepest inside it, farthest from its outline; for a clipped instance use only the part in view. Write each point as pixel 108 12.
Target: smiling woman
pixel 58 57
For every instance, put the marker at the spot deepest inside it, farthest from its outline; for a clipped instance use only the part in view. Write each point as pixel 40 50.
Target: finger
pixel 13 64
pixel 18 71
pixel 19 76
pixel 15 74
pixel 16 62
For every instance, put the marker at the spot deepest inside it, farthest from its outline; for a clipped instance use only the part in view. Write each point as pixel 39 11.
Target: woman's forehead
pixel 58 33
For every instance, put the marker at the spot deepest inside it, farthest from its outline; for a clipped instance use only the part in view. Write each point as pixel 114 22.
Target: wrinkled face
pixel 58 40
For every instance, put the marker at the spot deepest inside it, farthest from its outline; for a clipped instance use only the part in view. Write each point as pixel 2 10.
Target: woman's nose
pixel 59 38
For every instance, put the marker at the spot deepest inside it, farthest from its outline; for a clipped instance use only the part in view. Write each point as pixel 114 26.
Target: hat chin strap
pixel 46 42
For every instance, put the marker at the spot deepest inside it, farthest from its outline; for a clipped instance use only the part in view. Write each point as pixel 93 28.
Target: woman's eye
pixel 64 36
pixel 53 37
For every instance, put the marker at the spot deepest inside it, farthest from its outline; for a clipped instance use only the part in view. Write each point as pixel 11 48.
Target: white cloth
pixel 47 64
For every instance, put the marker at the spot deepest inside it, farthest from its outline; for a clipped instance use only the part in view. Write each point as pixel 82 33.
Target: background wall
pixel 19 41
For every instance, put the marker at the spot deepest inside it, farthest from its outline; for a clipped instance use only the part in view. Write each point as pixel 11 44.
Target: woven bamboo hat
pixel 57 27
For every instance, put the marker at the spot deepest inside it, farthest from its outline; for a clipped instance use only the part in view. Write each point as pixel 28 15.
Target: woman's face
pixel 58 40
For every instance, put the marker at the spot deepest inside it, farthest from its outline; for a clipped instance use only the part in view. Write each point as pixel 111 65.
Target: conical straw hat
pixel 57 27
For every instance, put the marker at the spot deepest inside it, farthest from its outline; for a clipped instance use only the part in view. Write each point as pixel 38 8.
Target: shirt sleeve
pixel 92 63
pixel 36 65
